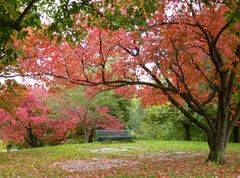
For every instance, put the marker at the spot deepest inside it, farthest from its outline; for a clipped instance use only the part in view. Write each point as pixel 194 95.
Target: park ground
pixel 137 159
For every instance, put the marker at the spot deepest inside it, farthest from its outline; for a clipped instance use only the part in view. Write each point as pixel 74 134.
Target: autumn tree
pixel 31 123
pixel 180 56
pixel 80 108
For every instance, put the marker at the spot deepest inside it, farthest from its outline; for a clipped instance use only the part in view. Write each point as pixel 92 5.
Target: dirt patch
pixel 169 155
pixel 94 164
pixel 108 150
pixel 111 150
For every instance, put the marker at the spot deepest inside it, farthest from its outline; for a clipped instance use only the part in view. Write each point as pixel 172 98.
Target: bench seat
pixel 108 135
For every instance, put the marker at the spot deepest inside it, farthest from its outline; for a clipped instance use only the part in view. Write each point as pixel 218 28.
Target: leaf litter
pixel 95 164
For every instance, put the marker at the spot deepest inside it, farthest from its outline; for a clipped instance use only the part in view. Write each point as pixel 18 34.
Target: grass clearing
pixel 140 158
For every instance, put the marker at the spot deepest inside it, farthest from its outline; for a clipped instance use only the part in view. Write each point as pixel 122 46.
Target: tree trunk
pixel 32 140
pixel 218 135
pixel 187 128
pixel 91 135
pixel 9 147
pixel 86 135
pixel 217 153
pixel 236 134
pixel 217 156
pixel 217 142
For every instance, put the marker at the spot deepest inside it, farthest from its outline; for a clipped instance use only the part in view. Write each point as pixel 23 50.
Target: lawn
pixel 138 159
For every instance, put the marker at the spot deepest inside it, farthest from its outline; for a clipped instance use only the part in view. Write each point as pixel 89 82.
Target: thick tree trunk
pixel 217 153
pixel 187 128
pixel 217 156
pixel 236 134
pixel 86 135
pixel 217 142
pixel 218 135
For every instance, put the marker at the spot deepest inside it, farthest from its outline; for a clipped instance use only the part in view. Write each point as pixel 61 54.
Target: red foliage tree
pixel 190 59
pixel 31 122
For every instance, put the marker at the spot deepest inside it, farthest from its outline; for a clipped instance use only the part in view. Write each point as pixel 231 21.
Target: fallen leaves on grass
pixel 94 164
pixel 156 164
pixel 154 159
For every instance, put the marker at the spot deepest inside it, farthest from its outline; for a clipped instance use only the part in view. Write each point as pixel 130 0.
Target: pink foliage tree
pixel 31 122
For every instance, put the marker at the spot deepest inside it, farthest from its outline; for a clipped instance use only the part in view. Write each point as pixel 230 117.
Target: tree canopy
pixel 66 19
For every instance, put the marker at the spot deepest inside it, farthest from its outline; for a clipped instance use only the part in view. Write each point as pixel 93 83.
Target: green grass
pixel 38 162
